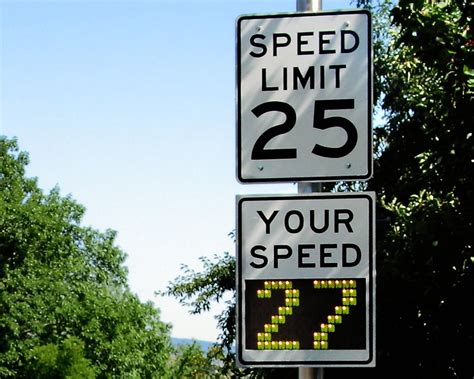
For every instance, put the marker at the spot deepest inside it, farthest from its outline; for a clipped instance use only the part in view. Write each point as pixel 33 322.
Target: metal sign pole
pixel 309 6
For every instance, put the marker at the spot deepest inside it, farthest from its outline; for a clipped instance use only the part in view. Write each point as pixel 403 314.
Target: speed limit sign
pixel 304 97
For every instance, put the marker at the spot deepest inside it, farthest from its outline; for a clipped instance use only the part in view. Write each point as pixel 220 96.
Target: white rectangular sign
pixel 304 97
pixel 306 280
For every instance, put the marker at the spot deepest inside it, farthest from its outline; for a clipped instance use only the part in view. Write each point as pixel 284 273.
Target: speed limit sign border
pixel 303 77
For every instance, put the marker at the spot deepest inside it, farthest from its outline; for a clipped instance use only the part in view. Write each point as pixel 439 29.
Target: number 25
pixel 319 122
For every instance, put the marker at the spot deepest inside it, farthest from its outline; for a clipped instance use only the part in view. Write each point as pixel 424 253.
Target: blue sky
pixel 129 106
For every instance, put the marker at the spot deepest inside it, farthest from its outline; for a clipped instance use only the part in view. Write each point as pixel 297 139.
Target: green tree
pixel 190 361
pixel 65 361
pixel 198 290
pixel 64 299
pixel 424 84
pixel 424 177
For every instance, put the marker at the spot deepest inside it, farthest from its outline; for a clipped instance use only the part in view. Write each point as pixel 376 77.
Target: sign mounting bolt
pixel 260 168
pixel 348 165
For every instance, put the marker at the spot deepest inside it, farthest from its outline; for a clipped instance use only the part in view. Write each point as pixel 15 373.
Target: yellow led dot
pixel 274 328
pixel 260 294
pixel 330 284
pixel 268 337
pixel 274 345
pixel 296 293
pixel 337 319
pixel 346 301
pixel 317 345
pixel 337 284
pixel 281 310
pixel 352 292
pixel 331 319
pixel 281 319
pixel 288 293
pixel 288 302
pixel 288 284
pixel 296 345
pixel 281 285
pixel 331 328
pixel 316 336
pixel 324 345
pixel 353 301
pixel 268 294
pixel 345 310
pixel 267 328
pixel 296 302
pixel 352 283
pixel 281 345
pixel 260 336
pixel 288 345
pixel 324 328
pixel 345 284
pixel 338 310
pixel 324 336
pixel 274 285
pixel 260 345
pixel 274 319
pixel 267 345
pixel 324 284
pixel 288 310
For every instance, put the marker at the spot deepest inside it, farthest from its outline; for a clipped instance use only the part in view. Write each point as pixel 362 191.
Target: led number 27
pixel 260 151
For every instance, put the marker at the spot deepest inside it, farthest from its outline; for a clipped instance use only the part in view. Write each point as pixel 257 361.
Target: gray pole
pixel 309 6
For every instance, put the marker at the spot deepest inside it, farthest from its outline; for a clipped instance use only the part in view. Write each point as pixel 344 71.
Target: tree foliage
pixel 190 361
pixel 424 84
pixel 65 307
pixel 67 360
pixel 198 290
pixel 424 177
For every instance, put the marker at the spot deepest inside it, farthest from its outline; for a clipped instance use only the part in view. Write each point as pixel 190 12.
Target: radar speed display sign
pixel 304 97
pixel 306 280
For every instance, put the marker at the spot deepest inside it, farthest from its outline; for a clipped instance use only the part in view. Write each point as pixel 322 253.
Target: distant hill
pixel 205 345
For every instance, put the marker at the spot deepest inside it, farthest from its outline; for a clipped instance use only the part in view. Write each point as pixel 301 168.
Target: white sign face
pixel 306 280
pixel 304 97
